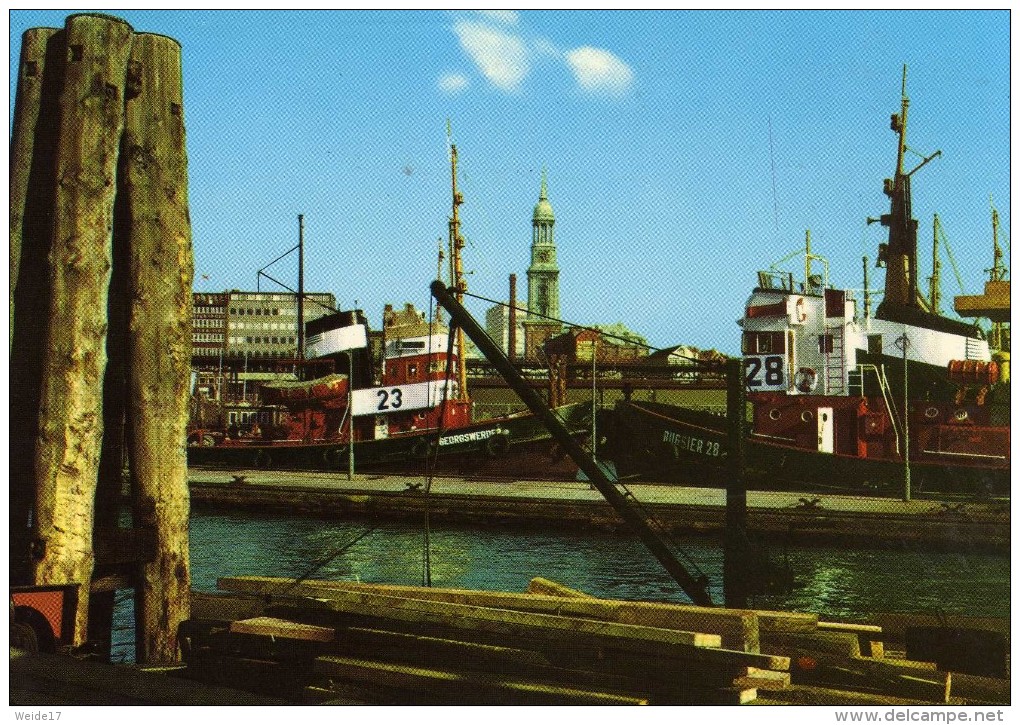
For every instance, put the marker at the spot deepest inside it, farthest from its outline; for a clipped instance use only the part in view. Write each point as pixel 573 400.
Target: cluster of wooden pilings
pixel 100 345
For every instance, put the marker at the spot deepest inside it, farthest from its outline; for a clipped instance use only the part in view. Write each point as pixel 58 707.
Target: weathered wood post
pixel 33 186
pixel 27 104
pixel 70 407
pixel 155 185
pixel 736 549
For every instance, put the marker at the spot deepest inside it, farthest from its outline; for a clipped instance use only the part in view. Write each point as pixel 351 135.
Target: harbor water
pixel 840 584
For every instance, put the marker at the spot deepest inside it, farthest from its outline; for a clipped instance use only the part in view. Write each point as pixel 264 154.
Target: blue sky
pixel 684 150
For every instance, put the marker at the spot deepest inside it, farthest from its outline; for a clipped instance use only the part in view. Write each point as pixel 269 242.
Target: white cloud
pixel 599 71
pixel 507 17
pixel 453 82
pixel 500 56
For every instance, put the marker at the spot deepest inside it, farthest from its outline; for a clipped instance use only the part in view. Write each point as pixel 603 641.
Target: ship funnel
pixel 336 333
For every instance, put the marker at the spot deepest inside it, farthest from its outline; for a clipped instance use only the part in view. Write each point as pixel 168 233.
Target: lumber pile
pixel 345 642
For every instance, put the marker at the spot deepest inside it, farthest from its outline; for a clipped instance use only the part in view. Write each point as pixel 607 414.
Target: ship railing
pixel 890 405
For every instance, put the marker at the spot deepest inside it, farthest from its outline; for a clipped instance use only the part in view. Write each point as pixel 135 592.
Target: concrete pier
pixel 794 517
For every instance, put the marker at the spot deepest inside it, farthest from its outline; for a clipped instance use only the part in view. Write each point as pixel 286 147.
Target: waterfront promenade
pixel 967 526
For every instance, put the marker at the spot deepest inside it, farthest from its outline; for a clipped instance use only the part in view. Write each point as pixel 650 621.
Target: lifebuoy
pixel 263 459
pixel 798 310
pixel 331 457
pixel 418 450
pixel 805 380
pixel 498 445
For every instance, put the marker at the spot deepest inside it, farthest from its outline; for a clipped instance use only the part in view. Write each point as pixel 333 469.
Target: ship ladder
pixel 887 398
pixel 855 382
pixel 835 363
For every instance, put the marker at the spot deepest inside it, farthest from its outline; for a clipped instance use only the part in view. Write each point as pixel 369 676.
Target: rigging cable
pixel 328 558
pixel 628 340
pixel 648 515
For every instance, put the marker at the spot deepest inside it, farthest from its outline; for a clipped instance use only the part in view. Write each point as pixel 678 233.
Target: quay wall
pixel 784 517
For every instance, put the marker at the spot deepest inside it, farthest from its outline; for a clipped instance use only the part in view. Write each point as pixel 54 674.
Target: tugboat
pixel 906 401
pixel 403 402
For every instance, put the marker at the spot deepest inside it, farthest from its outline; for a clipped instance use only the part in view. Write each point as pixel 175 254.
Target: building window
pixel 825 344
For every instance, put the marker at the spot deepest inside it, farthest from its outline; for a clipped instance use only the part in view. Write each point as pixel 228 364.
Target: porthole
pixel 931 412
pixel 775 414
pixel 807 415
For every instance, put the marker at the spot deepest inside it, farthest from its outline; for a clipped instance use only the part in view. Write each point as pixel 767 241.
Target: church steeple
pixel 543 275
pixel 543 215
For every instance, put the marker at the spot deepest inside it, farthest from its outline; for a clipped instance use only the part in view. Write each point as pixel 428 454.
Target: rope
pixel 330 557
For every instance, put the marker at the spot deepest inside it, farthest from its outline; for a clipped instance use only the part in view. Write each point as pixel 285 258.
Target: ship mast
pixel 899 255
pixel 997 274
pixel 457 271
pixel 935 293
pixel 998 270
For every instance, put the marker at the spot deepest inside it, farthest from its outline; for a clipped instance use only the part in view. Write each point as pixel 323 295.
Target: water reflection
pixel 844 583
pixel 838 584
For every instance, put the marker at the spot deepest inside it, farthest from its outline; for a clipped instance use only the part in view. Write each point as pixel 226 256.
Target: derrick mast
pixel 457 271
pixel 899 255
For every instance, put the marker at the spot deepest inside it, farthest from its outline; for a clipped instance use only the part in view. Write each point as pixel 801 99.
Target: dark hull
pixel 516 446
pixel 674 445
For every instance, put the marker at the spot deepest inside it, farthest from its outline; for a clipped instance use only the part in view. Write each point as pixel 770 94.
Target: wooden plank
pixel 274 627
pixel 828 696
pixel 669 674
pixel 594 608
pixel 225 607
pixel 873 676
pixel 421 649
pixel 869 636
pixel 324 696
pixel 763 680
pixel 539 585
pixel 688 646
pixel 836 643
pixel 263 673
pixel 773 621
pixel 855 628
pixel 974 688
pixel 382 605
pixel 737 628
pixel 425 651
pixel 99 683
pixel 434 686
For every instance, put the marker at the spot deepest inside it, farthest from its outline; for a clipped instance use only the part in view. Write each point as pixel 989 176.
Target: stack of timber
pixel 354 643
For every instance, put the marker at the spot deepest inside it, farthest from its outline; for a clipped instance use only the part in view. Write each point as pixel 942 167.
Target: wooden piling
pixel 27 103
pixel 736 550
pixel 70 410
pixel 159 286
pixel 33 187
